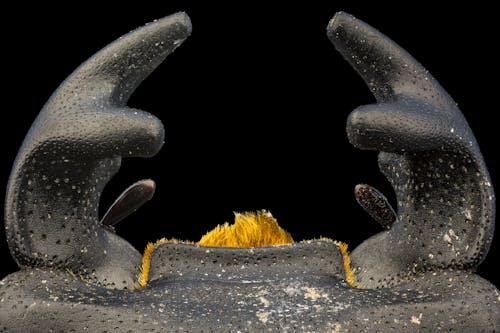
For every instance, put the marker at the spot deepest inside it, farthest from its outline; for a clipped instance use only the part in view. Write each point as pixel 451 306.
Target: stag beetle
pixel 77 274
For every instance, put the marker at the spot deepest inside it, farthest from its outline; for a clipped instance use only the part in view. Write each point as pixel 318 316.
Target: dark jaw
pixel 446 205
pixel 72 150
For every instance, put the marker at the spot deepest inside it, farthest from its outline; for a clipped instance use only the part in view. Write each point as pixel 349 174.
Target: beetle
pixel 77 274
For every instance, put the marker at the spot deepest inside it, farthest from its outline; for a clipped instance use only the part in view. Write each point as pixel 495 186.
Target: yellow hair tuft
pixel 349 273
pixel 249 230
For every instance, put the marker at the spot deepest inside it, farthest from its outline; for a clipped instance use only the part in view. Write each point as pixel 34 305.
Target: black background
pixel 254 104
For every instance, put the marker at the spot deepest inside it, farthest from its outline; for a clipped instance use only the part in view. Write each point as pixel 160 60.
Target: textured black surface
pixel 291 288
pixel 448 301
pixel 74 147
pixel 446 204
pixel 321 258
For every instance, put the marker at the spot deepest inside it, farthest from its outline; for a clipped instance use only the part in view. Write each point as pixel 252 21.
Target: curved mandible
pixel 446 206
pixel 74 147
